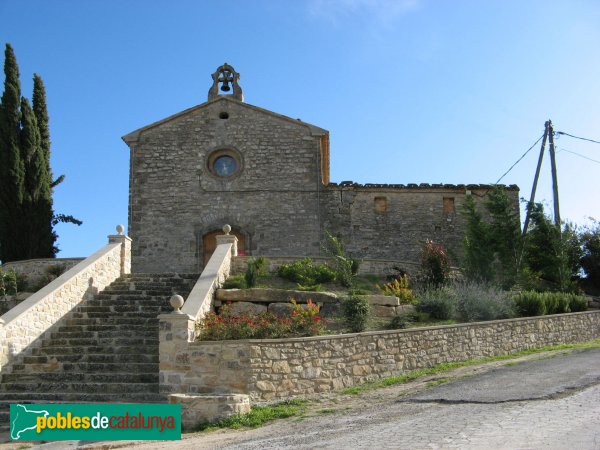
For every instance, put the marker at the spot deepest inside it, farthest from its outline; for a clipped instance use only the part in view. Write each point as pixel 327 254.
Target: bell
pixel 225 87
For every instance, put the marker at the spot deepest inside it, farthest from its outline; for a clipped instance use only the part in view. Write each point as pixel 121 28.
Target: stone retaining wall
pixel 30 319
pixel 35 269
pixel 283 368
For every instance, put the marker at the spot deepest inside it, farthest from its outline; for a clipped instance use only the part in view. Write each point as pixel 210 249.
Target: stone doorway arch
pixel 209 244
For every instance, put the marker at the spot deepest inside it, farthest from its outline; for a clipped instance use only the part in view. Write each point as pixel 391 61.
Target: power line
pixel 577 137
pixel 518 160
pixel 580 155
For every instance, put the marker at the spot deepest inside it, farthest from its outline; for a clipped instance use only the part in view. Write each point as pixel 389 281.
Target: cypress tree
pixel 12 168
pixel 37 199
pixel 41 115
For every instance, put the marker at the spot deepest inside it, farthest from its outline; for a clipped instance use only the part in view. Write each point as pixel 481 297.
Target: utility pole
pixel 548 135
pixel 536 177
pixel 554 178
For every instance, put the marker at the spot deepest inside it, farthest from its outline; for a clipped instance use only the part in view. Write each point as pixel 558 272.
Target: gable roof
pixel 314 130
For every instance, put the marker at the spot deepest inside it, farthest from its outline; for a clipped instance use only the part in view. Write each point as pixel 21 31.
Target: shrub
pixel 438 303
pixel 256 268
pixel 400 322
pixel 251 276
pixel 435 265
pixel 304 272
pixel 345 266
pixel 306 320
pixel 235 282
pixel 478 301
pixel 303 321
pixel 8 282
pixel 356 311
pixel 590 261
pixel 531 303
pixel 399 288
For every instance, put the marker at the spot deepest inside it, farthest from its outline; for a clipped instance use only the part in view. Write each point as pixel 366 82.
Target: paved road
pixel 552 403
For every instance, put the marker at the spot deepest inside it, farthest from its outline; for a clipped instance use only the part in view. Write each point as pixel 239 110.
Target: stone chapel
pixel 267 175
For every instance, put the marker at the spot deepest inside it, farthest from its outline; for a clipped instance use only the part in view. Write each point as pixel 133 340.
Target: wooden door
pixel 209 244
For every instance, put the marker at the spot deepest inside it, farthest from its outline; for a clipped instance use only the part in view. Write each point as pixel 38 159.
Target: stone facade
pixel 267 175
pixel 283 368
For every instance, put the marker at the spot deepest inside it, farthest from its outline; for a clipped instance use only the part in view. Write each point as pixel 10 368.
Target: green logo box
pixel 94 422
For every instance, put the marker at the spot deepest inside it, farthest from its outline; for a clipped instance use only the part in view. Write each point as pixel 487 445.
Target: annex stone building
pixel 267 175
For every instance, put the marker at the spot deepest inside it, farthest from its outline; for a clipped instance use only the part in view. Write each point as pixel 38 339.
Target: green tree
pixel 12 167
pixel 505 236
pixel 550 253
pixel 493 246
pixel 479 253
pixel 590 258
pixel 26 213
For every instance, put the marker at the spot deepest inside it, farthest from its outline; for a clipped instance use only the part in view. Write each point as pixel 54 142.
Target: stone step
pixel 109 341
pixel 94 349
pixel 108 328
pixel 145 333
pixel 113 321
pixel 66 377
pixel 78 387
pixel 92 358
pixel 147 314
pixel 120 308
pixel 88 367
pixel 7 398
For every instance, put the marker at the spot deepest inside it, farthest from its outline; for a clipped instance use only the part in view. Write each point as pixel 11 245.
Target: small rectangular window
pixel 380 205
pixel 448 205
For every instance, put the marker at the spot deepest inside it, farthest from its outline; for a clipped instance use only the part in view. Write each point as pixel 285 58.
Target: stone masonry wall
pixel 29 320
pixel 277 369
pixel 175 199
pixel 278 201
pixel 35 269
pixel 391 223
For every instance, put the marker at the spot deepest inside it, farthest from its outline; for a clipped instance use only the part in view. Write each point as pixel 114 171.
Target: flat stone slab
pixel 262 295
pixel 382 300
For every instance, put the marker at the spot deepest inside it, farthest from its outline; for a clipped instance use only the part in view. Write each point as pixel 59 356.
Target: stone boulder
pixel 263 295
pixel 247 308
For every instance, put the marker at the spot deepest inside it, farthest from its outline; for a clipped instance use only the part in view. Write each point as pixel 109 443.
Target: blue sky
pixel 412 91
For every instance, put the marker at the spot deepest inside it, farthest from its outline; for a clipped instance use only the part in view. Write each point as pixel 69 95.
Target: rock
pixel 281 309
pixel 264 295
pixel 383 300
pixel 241 308
pixel 383 311
pixel 405 309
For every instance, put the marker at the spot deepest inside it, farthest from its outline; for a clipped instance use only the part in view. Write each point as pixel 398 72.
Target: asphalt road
pixel 551 403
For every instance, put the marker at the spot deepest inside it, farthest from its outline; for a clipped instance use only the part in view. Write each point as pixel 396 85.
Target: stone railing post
pixel 125 242
pixel 228 239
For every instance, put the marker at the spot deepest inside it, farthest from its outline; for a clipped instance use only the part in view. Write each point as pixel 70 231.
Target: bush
pixel 306 273
pixel 477 301
pixel 400 322
pixel 303 321
pixel 399 288
pixel 256 268
pixel 435 265
pixel 8 282
pixel 345 266
pixel 235 282
pixel 438 303
pixel 356 311
pixel 531 303
pixel 251 276
pixel 590 261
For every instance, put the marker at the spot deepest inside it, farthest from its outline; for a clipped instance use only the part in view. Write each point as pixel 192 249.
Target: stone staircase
pixel 105 350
